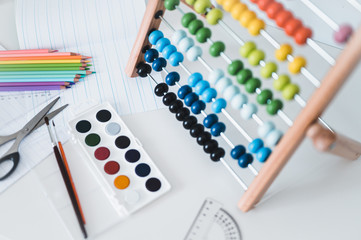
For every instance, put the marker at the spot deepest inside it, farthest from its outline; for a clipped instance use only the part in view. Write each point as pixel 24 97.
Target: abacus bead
pixel 203 34
pixel 238 101
pixel 264 96
pixel 228 4
pixel 273 137
pixel 178 35
pixel 219 2
pixel 210 120
pixel 209 94
pixel 292 25
pixel 248 110
pixel 168 50
pixel 214 16
pixel 169 98
pixel 238 151
pixel 263 4
pixel 210 146
pixel 273 106
pixel 296 65
pixel 247 48
pixel 263 154
pixel 217 129
pixel 235 67
pixel 273 9
pixel 201 86
pixel 182 114
pixel 289 92
pixel 162 43
pixel 246 18
pixel 160 89
pixel 171 4
pixel 343 33
pixel 159 64
pixel 283 51
pixel 217 154
pixel 194 53
pixel 252 84
pixel 218 105
pixel 184 91
pixel 194 26
pixel 175 58
pixel 172 78
pixel 194 78
pixel 230 92
pixel 143 69
pixel 282 81
pixel 203 138
pixel 198 106
pixel 238 9
pixel 255 57
pixel 255 26
pixel 243 76
pixel 190 99
pixel 302 34
pixel 155 36
pixel 255 145
pixel 189 121
pixel 222 84
pixel 283 17
pixel 245 160
pixel 215 75
pixel 265 129
pixel 268 69
pixel 200 6
pixel 191 2
pixel 187 19
pixel 185 44
pixel 175 106
pixel 216 49
pixel 196 130
pixel 150 55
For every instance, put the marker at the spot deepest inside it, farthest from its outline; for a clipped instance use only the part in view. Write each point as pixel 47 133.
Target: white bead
pixel 222 84
pixel 238 101
pixel 266 128
pixel 273 137
pixel 248 110
pixel 215 75
pixel 185 44
pixel 230 92
pixel 178 35
pixel 193 53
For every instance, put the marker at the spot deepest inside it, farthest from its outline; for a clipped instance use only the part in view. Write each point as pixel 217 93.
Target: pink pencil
pixel 38 54
pixel 26 51
pixel 18 84
pixel 32 88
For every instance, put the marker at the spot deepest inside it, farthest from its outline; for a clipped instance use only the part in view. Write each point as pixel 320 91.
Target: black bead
pixel 182 114
pixel 203 138
pixel 210 146
pixel 175 106
pixel 196 130
pixel 189 122
pixel 169 98
pixel 143 69
pixel 217 154
pixel 160 89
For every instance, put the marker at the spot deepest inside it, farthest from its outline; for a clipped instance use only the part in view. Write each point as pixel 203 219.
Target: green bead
pixel 200 6
pixel 190 2
pixel 235 67
pixel 214 16
pixel 282 81
pixel 216 48
pixel 194 26
pixel 255 57
pixel 273 106
pixel 264 96
pixel 203 34
pixel 247 48
pixel 171 4
pixel 268 69
pixel 289 92
pixel 187 19
pixel 252 84
pixel 243 76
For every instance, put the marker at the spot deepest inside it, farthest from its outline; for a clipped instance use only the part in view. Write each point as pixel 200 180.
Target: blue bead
pixel 209 94
pixel 162 43
pixel 248 110
pixel 168 50
pixel 244 160
pixel 198 106
pixel 255 145
pixel 218 105
pixel 176 58
pixel 172 78
pixel 183 91
pixel 238 151
pixel 178 35
pixel 217 129
pixel 201 86
pixel 190 99
pixel 159 64
pixel 150 55
pixel 185 44
pixel 210 120
pixel 155 36
pixel 215 75
pixel 194 53
pixel 194 78
pixel 263 154
pixel 274 137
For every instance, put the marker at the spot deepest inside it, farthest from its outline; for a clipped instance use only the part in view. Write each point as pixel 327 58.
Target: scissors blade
pixel 51 115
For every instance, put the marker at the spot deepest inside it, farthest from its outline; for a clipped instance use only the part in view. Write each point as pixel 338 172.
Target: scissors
pixel 12 154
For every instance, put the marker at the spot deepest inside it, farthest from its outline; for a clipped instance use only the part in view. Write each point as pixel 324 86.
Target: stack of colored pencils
pixel 41 69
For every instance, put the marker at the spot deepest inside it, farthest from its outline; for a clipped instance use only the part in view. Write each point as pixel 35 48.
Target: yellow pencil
pixel 42 61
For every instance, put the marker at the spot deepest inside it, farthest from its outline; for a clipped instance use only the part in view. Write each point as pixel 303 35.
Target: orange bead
pixel 254 1
pixel 247 17
pixel 283 17
pixel 292 26
pixel 262 4
pixel 238 9
pixel 302 34
pixel 273 9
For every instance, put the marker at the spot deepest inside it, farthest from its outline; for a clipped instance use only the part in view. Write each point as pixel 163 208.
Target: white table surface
pixel 317 196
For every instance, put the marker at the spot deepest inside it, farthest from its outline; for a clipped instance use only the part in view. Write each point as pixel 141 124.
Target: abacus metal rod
pixel 355 4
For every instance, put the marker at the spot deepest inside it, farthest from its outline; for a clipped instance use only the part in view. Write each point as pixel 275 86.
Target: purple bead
pixel 343 33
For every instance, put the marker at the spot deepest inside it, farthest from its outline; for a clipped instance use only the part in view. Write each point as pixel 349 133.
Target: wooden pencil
pixel 25 69
pixel 41 61
pixel 26 51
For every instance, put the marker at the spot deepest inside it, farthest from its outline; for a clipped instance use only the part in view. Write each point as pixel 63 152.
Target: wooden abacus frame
pixel 306 121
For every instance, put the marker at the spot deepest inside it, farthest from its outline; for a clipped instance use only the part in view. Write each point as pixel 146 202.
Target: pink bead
pixel 343 33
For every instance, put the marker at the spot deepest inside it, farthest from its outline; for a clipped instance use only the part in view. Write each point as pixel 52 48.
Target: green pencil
pixel 44 65
pixel 84 72
pixel 43 69
pixel 41 76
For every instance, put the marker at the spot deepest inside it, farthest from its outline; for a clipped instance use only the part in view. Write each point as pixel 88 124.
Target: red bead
pixel 292 26
pixel 283 17
pixel 273 9
pixel 254 1
pixel 302 34
pixel 262 4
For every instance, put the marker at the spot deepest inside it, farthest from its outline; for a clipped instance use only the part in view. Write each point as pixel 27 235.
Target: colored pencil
pixel 38 79
pixel 46 72
pixel 24 69
pixel 45 65
pixel 41 61
pixel 42 76
pixel 32 88
pixel 39 54
pixel 16 84
pixel 44 58
pixel 27 51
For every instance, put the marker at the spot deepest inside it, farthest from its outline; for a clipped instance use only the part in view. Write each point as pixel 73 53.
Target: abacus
pixel 271 147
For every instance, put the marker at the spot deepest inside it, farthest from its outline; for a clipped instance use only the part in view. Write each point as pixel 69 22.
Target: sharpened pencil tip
pixel 46 119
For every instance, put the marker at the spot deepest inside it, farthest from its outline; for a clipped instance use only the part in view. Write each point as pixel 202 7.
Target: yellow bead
pixel 238 9
pixel 220 2
pixel 283 51
pixel 246 17
pixel 298 63
pixel 229 4
pixel 255 26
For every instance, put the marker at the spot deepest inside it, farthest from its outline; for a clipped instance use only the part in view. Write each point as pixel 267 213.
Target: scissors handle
pixel 13 157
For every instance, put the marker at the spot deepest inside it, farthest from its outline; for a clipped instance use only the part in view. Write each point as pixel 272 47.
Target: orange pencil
pixel 28 51
pixel 44 58
pixel 39 54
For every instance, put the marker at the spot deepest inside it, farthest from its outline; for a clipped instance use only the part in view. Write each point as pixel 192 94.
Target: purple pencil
pixel 19 84
pixel 32 88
